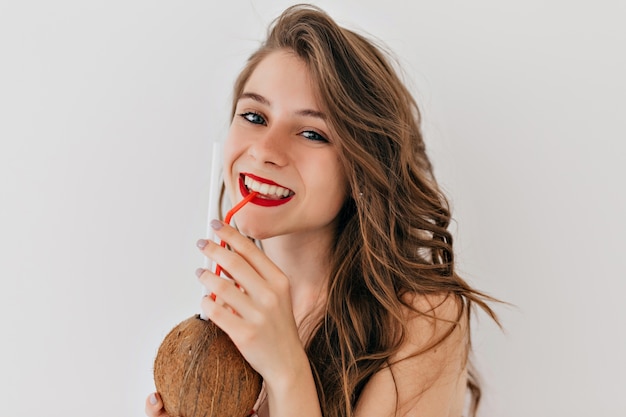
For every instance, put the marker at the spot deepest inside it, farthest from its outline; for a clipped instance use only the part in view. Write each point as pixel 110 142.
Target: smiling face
pixel 280 145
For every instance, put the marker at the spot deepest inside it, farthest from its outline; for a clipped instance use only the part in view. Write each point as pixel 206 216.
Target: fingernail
pixel 153 399
pixel 201 243
pixel 216 224
pixel 199 272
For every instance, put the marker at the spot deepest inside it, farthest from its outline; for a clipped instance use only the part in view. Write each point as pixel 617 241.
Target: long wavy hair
pixel 393 237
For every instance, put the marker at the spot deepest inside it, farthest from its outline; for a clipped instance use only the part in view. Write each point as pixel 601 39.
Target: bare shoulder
pixel 435 320
pixel 428 375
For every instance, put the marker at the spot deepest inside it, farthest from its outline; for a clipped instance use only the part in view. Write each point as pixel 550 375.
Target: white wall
pixel 107 111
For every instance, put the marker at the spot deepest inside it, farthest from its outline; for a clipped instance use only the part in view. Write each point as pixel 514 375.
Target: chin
pixel 252 230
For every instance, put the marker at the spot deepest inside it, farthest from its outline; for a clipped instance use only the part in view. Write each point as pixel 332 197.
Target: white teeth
pixel 265 189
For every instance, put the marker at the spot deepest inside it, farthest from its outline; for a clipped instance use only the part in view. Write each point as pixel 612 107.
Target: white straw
pixel 213 211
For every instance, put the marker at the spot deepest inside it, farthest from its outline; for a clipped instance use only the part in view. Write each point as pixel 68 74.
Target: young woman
pixel 352 307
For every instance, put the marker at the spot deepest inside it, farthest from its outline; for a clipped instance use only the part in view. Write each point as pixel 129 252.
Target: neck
pixel 305 259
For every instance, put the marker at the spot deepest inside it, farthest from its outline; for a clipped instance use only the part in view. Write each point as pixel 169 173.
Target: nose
pixel 270 147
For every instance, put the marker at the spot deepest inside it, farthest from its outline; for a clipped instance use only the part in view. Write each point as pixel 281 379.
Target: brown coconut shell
pixel 199 372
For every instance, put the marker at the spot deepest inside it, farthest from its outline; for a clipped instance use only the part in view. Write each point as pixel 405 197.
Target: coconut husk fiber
pixel 199 372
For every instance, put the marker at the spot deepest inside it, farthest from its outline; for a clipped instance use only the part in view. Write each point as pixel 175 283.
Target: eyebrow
pixel 260 99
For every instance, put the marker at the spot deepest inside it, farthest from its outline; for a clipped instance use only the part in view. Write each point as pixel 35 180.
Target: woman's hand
pixel 154 406
pixel 257 312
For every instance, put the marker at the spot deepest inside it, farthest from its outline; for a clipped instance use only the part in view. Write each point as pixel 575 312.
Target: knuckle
pixel 220 285
pixel 283 286
pixel 246 337
pixel 269 300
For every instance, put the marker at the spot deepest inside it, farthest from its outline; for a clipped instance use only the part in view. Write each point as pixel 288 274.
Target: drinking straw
pixel 213 210
pixel 229 215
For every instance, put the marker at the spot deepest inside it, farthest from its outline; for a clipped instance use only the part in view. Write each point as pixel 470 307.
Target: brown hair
pixel 393 237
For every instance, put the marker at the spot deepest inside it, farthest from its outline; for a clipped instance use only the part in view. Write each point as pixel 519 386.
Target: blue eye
pixel 314 136
pixel 253 117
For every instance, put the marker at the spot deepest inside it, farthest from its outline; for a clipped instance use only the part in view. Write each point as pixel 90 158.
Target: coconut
pixel 199 372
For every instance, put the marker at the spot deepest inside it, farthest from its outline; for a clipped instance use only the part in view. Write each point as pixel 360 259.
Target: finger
pixel 246 249
pixel 226 292
pixel 154 406
pixel 223 318
pixel 234 265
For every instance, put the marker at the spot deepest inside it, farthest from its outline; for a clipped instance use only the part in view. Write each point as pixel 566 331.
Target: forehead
pixel 281 74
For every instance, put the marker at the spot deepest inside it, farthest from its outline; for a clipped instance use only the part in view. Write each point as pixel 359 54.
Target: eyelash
pixel 250 114
pixel 253 117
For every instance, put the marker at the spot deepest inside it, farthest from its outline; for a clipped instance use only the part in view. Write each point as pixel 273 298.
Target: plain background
pixel 107 114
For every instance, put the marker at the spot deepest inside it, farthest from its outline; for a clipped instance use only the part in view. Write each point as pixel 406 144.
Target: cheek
pixel 235 143
pixel 229 148
pixel 332 187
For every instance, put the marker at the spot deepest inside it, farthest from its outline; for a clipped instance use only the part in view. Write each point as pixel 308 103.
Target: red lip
pixel 261 201
pixel 259 179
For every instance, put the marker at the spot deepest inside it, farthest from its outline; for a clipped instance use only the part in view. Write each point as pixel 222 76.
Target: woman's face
pixel 279 144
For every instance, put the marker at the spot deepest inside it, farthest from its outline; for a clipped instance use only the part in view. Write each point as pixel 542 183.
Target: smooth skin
pixel 278 133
